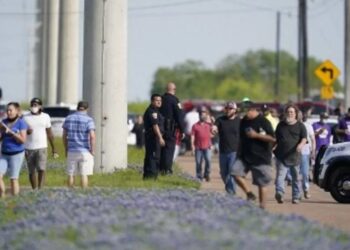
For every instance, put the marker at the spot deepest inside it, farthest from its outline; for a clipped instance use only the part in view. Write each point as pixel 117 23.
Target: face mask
pixel 34 110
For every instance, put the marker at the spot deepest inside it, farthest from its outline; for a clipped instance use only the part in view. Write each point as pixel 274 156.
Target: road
pixel 321 207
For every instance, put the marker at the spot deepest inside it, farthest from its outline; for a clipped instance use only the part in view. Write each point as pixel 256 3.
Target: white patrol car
pixel 332 171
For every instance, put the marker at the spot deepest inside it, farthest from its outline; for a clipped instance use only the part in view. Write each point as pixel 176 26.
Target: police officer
pixel 153 123
pixel 173 118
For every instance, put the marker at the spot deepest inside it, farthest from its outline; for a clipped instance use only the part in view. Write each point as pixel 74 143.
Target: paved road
pixel 321 207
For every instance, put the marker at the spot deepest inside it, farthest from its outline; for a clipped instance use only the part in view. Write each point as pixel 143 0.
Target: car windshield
pixel 57 111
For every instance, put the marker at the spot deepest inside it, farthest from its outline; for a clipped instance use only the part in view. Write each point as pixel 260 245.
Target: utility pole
pixel 68 66
pixel 306 89
pixel 277 60
pixel 347 54
pixel 104 79
pixel 303 85
pixel 52 51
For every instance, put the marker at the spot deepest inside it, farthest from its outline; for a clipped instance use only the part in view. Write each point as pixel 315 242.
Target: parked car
pixel 332 171
pixel 58 114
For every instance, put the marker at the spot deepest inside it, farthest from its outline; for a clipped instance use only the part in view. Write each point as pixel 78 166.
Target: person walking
pixel 308 154
pixel 201 144
pixel 227 127
pixel 256 139
pixel 190 118
pixel 79 143
pixel 153 122
pixel 38 133
pixel 13 135
pixel 291 136
pixel 323 132
pixel 173 118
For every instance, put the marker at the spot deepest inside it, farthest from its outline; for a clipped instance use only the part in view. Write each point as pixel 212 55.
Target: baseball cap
pixel 83 105
pixel 231 105
pixel 247 104
pixel 36 100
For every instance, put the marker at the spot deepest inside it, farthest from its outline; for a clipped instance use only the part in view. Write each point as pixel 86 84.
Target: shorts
pixel 261 173
pixel 80 163
pixel 36 159
pixel 11 165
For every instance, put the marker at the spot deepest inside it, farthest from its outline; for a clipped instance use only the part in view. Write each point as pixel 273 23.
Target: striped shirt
pixel 78 127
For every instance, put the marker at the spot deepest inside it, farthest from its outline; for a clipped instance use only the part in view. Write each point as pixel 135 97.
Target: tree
pixel 251 74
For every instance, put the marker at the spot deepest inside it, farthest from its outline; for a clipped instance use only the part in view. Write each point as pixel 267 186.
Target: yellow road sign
pixel 327 72
pixel 327 92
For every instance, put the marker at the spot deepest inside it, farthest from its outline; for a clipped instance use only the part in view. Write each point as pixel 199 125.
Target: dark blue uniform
pixel 173 118
pixel 152 117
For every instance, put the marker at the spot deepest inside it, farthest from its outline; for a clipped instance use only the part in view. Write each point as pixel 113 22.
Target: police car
pixel 332 171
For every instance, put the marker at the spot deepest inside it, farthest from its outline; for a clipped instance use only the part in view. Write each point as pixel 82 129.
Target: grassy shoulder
pixel 124 178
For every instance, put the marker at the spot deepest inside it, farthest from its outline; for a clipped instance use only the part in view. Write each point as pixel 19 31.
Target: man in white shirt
pixel 190 119
pixel 39 131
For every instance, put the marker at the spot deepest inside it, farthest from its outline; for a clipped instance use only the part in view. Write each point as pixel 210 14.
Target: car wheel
pixel 340 185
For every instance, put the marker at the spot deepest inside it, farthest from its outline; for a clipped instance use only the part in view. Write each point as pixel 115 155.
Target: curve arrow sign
pixel 325 70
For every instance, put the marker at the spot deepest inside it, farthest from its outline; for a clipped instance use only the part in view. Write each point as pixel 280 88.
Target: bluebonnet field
pixel 105 218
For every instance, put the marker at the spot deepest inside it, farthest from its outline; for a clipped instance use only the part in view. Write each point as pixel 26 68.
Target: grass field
pixel 125 178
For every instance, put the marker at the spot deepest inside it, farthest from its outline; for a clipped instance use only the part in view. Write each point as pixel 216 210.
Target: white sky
pixel 163 33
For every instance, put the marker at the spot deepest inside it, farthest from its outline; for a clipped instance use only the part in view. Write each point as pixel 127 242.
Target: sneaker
pixel 307 195
pixel 296 201
pixel 251 196
pixel 279 198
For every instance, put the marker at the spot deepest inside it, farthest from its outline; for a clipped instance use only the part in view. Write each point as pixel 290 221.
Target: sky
pixel 164 33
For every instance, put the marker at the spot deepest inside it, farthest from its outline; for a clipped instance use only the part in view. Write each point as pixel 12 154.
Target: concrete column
pixel 104 79
pixel 68 66
pixel 51 52
pixel 43 62
pixel 36 56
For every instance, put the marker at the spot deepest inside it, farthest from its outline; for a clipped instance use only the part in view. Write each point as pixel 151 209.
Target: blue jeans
pixel 281 174
pixel 199 155
pixel 11 164
pixel 304 171
pixel 226 161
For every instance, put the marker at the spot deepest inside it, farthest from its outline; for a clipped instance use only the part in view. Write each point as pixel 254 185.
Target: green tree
pixel 252 74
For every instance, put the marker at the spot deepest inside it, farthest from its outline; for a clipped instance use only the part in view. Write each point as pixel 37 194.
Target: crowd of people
pixel 27 136
pixel 257 138
pixel 248 139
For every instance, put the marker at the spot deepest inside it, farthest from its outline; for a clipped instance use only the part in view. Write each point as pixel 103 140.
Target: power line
pixel 195 13
pixel 166 5
pixel 263 7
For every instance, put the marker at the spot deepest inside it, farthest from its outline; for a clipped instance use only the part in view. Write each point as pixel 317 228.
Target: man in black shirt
pixel 173 118
pixel 256 137
pixel 291 136
pixel 227 127
pixel 153 122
